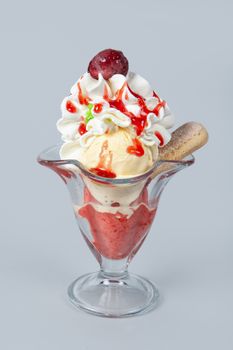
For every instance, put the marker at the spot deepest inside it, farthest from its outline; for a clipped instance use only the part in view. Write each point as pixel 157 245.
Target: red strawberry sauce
pixel 104 167
pixel 71 107
pixel 82 128
pixel 136 148
pixel 116 236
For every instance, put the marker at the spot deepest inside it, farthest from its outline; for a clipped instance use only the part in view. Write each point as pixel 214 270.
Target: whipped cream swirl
pixel 95 107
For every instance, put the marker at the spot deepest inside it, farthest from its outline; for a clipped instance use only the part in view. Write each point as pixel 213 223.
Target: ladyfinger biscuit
pixel 185 140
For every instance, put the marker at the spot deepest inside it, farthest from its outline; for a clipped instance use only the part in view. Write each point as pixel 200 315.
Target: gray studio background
pixel 184 48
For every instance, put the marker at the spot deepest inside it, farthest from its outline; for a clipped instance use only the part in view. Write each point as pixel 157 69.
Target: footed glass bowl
pixel 114 216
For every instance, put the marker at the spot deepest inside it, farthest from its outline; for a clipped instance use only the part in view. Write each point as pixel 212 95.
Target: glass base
pixel 106 296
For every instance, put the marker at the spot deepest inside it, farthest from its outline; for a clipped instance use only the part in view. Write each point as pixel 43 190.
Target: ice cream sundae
pixel 118 152
pixel 117 127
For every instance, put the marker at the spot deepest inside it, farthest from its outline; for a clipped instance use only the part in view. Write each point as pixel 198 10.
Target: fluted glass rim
pixel 179 164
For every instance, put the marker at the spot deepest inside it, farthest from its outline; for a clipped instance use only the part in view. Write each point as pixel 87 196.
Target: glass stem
pixel 114 268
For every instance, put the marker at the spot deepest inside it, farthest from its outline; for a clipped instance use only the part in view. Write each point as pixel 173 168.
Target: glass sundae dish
pixel 116 158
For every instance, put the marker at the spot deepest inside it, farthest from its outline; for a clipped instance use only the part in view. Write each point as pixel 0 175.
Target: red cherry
pixel 108 62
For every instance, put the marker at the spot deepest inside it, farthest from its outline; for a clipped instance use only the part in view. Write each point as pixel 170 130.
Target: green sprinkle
pixel 89 114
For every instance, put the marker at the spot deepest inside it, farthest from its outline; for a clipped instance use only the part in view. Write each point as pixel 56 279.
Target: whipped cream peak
pixel 99 106
pixel 139 85
pixel 90 88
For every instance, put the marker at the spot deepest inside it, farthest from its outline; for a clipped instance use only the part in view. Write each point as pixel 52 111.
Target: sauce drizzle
pixel 82 128
pixel 71 107
pixel 136 148
pixel 98 107
pixel 82 100
pixel 104 167
pixel 160 137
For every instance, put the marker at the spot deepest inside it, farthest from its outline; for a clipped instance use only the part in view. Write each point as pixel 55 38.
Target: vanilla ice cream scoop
pixel 114 152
